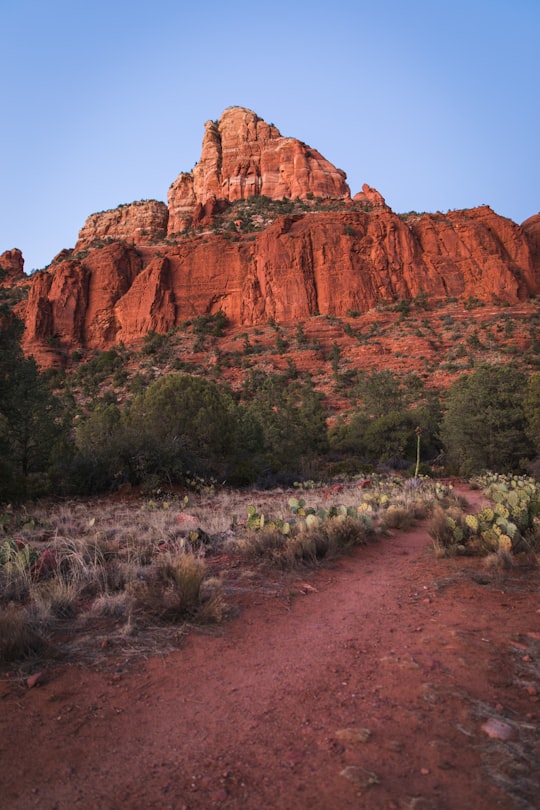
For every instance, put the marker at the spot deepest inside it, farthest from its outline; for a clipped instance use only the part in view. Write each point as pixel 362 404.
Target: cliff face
pixel 303 265
pixel 243 156
pixel 11 266
pixel 132 272
pixel 531 229
pixel 140 222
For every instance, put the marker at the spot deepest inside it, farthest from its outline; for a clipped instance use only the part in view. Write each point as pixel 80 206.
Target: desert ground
pixel 386 679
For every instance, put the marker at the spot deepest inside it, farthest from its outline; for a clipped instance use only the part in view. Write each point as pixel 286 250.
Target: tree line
pixel 183 428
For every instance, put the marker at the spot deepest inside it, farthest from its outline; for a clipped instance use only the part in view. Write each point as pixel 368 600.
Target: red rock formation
pixel 371 198
pixel 477 248
pixel 319 263
pixel 531 228
pixel 140 222
pixel 12 263
pixel 243 156
pixel 72 303
pixel 322 262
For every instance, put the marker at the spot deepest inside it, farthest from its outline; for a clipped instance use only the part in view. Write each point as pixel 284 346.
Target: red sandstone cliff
pixel 243 156
pixel 132 272
pixel 302 265
pixel 141 222
pixel 12 265
pixel 531 228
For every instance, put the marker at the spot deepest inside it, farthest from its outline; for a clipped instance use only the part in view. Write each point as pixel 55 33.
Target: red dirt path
pixel 409 654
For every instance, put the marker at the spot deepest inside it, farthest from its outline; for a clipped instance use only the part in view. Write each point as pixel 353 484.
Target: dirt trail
pixel 362 685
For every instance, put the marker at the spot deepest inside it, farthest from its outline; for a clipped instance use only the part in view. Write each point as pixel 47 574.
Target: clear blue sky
pixel 433 102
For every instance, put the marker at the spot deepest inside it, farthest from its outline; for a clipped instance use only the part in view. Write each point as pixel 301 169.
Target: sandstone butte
pixel 148 266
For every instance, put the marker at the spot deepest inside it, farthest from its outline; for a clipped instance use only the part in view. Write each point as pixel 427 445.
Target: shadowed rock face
pixel 130 276
pixel 531 228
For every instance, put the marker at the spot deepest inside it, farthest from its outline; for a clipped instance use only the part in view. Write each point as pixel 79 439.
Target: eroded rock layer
pixel 320 263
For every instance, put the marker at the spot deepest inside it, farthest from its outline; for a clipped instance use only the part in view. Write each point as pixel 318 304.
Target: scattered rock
pixel 497 729
pixel 354 734
pixel 360 776
pixel 35 680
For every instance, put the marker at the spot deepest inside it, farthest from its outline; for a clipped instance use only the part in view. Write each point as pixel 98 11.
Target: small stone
pixel 497 729
pixel 360 776
pixel 424 771
pixel 527 659
pixel 34 680
pixel 532 690
pixel 220 795
pixel 353 735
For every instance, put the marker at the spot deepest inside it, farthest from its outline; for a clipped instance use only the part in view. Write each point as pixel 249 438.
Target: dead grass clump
pixel 532 536
pixel 330 538
pixel 81 564
pixel 447 530
pixel 111 605
pixel 398 517
pixel 213 606
pixel 501 560
pixel 306 546
pixel 345 533
pixel 15 584
pixel 18 636
pixel 171 590
pixel 267 544
pixel 56 599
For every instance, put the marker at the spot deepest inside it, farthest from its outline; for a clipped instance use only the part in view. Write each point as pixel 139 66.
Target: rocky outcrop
pixel 477 248
pixel 72 304
pixel 11 266
pixel 243 156
pixel 371 199
pixel 531 228
pixel 333 263
pixel 141 223
pixel 133 271
pixel 302 265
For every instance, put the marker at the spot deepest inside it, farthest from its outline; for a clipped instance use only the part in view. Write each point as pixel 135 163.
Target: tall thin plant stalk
pixel 418 432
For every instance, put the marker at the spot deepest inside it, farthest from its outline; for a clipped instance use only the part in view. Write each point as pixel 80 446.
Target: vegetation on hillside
pixel 102 426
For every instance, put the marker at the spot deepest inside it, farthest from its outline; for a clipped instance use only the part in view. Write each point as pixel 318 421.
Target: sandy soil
pixel 389 679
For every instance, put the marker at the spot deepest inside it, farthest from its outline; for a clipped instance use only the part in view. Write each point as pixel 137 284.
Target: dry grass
pixel 442 530
pixel 19 638
pixel 500 560
pixel 305 546
pixel 172 591
pixel 398 517
pixel 122 566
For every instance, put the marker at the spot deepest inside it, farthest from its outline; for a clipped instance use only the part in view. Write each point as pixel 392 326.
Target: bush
pixel 18 636
pixel 307 545
pixel 484 427
pixel 172 591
